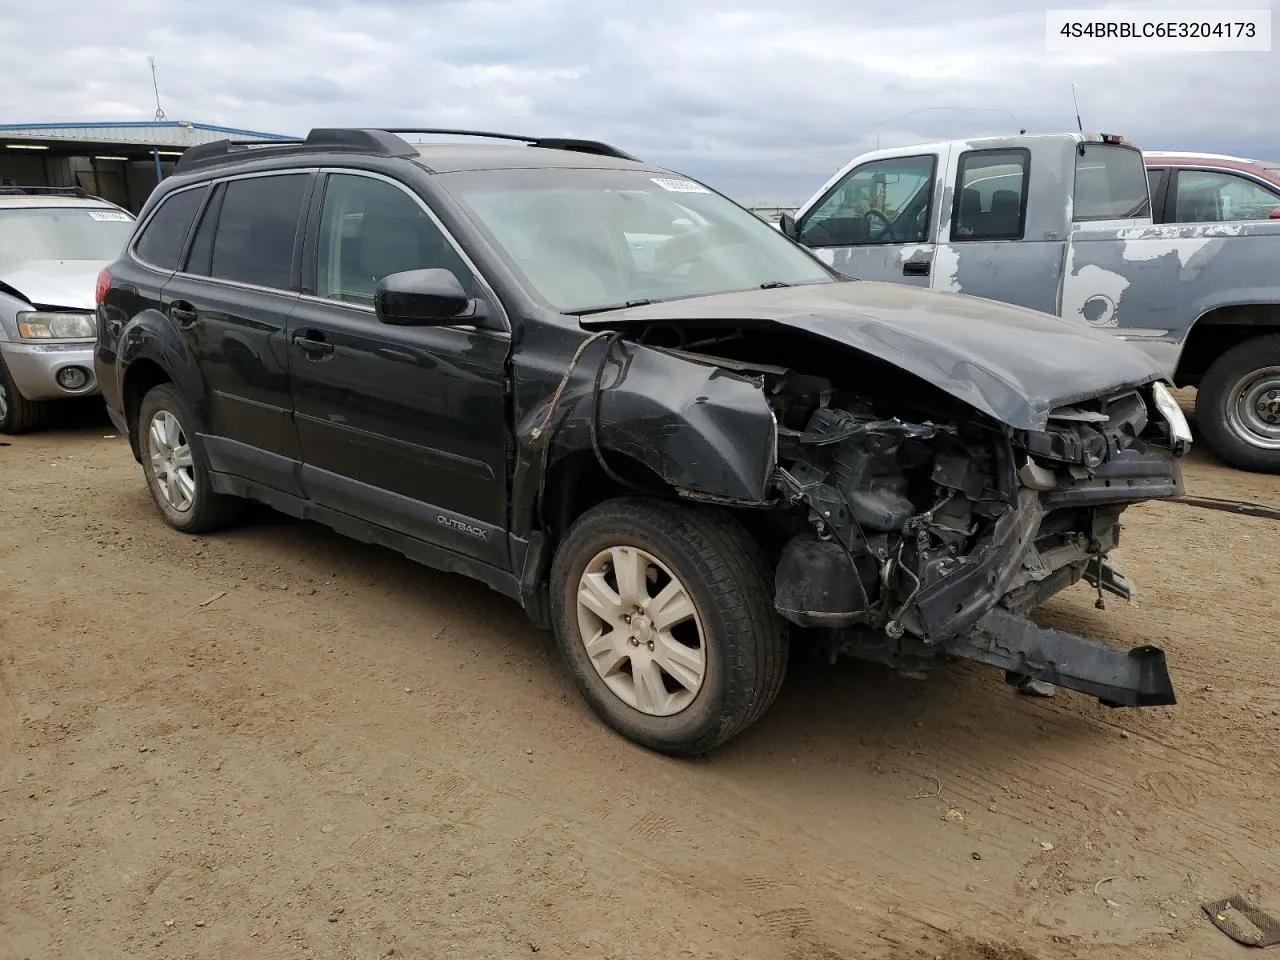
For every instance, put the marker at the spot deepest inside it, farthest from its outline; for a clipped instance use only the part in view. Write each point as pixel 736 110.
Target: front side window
pixel 257 229
pixel 61 233
pixel 370 229
pixel 883 201
pixel 991 195
pixel 1204 196
pixel 1110 183
pixel 594 239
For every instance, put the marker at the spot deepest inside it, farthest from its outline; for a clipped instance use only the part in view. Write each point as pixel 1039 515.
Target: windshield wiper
pixel 773 285
pixel 643 302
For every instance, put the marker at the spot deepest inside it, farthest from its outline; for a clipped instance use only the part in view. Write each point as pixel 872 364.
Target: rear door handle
pixel 915 268
pixel 183 313
pixel 312 343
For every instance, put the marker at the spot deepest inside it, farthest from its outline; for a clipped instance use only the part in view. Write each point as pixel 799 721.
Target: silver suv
pixel 53 243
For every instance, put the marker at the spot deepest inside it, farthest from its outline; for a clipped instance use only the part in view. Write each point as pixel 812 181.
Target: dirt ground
pixel 277 743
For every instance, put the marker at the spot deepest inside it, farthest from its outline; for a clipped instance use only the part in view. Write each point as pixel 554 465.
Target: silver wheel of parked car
pixel 17 413
pixel 1253 408
pixel 174 463
pixel 664 615
pixel 1238 405
pixel 171 460
pixel 641 630
pixel 4 402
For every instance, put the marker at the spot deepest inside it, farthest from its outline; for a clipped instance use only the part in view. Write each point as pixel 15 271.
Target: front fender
pixel 704 431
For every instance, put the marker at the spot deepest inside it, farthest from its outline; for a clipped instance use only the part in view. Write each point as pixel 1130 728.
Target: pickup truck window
pixel 1205 196
pixel 991 195
pixel 883 201
pixel 1111 183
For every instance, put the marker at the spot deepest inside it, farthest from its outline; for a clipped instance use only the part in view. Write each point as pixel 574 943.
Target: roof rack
pixel 38 191
pixel 380 143
pixel 549 143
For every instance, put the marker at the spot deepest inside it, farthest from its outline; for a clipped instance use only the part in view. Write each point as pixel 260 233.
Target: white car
pixel 53 243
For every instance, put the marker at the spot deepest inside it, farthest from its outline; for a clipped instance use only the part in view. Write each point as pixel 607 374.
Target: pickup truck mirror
pixel 787 226
pixel 422 298
pixel 1274 214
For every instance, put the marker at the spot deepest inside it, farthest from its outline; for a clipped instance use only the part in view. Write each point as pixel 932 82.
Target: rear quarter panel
pixel 1151 284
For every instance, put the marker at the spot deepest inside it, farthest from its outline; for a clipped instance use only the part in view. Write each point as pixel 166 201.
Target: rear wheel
pixel 664 616
pixel 174 465
pixel 17 413
pixel 1238 405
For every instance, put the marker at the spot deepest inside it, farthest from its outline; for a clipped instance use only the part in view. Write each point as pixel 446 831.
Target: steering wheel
pixel 888 225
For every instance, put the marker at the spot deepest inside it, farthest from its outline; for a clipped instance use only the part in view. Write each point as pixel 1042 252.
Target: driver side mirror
pixel 423 298
pixel 788 228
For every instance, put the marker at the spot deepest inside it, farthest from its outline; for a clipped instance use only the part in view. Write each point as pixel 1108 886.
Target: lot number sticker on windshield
pixel 679 186
pixel 112 215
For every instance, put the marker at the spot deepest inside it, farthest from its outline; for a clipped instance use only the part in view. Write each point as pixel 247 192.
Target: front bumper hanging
pixel 1118 678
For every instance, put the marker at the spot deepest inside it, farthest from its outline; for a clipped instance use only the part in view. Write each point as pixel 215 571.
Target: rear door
pixel 401 426
pixel 876 222
pixel 990 247
pixel 232 301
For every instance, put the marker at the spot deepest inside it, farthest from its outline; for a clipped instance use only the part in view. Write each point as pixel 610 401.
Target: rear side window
pixel 991 195
pixel 1111 183
pixel 257 229
pixel 162 239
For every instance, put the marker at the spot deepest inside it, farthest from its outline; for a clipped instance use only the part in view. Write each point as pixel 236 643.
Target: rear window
pixel 1111 183
pixel 165 234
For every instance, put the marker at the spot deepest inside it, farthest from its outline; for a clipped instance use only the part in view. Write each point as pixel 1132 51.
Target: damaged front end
pixel 936 538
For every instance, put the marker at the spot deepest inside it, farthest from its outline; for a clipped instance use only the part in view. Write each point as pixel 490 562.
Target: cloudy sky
pixel 762 98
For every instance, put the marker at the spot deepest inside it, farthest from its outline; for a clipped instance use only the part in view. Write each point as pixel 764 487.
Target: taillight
pixel 104 284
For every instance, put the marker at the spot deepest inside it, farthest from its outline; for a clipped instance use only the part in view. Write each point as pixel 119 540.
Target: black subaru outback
pixel 671 434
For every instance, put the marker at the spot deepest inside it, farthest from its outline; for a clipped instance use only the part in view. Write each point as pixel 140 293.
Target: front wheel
pixel 17 413
pixel 664 616
pixel 1238 405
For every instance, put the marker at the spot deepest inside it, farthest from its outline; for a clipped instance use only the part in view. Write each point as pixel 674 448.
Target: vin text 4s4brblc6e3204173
pixel 669 432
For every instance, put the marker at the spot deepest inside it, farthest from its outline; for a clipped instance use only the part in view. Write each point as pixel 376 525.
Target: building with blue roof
pixel 119 161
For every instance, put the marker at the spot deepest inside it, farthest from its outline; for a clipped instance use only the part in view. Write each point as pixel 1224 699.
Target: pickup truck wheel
pixel 176 471
pixel 1238 405
pixel 664 616
pixel 17 413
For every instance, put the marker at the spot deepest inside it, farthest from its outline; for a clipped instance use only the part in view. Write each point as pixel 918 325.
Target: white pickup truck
pixel 1062 223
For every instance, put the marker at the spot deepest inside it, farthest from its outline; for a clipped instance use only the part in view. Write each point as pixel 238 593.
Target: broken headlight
pixel 1179 431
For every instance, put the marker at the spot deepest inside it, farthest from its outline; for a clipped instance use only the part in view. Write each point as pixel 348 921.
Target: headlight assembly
pixel 35 325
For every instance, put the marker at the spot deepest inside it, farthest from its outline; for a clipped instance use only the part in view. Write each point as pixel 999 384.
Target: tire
pixel 742 641
pixel 17 413
pixel 179 452
pixel 1227 405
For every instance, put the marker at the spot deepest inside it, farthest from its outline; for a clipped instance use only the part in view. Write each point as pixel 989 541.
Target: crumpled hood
pixel 55 283
pixel 1009 362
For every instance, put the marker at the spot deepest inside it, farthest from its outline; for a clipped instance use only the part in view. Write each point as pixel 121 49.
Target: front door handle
pixel 915 268
pixel 312 343
pixel 182 313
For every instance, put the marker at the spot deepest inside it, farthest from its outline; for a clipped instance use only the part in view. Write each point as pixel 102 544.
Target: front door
pixel 875 223
pixel 403 426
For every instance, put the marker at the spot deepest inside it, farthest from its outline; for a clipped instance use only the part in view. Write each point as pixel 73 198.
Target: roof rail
pixel 549 143
pixel 19 190
pixel 380 143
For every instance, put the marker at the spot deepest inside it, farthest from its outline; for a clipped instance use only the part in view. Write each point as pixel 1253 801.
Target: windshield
pixel 61 233
pixel 1111 183
pixel 595 239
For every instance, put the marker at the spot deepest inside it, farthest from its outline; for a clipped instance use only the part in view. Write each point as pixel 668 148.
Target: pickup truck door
pixel 877 221
pixel 1004 234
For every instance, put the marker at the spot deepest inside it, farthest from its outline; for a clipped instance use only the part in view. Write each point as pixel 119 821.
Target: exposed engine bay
pixel 918 528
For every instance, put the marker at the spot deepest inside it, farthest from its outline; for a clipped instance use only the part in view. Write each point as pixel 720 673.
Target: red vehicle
pixel 1209 188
